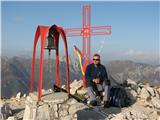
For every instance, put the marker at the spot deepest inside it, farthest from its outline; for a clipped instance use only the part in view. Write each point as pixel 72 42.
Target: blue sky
pixel 135 27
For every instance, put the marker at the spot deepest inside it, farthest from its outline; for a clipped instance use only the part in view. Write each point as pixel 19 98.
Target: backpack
pixel 119 97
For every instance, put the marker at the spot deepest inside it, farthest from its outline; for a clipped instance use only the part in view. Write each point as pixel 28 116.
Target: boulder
pixel 147 104
pixel 132 84
pixel 81 91
pixel 117 117
pixel 150 90
pixel 138 90
pixel 55 107
pixel 30 107
pixel 144 94
pixel 158 90
pixel 74 108
pixel 133 96
pixel 43 113
pixel 63 112
pixel 73 90
pixel 63 86
pixel 29 113
pixel 131 115
pixel 68 117
pixel 71 101
pixel 12 118
pixel 18 96
pixel 24 95
pixel 153 115
pixel 76 84
pixel 156 102
pixel 157 95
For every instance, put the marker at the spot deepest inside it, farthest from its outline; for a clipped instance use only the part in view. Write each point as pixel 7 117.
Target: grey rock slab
pixel 57 98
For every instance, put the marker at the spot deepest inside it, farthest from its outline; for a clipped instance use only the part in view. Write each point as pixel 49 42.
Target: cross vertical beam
pixel 86 32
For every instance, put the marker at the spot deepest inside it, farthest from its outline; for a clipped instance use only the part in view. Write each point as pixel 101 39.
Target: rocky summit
pixel 145 105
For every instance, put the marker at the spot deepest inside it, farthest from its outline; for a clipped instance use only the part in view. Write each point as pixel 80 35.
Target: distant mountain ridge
pixel 15 73
pixel 139 72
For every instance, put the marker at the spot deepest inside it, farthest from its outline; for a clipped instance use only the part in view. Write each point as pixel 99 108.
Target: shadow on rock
pixel 92 114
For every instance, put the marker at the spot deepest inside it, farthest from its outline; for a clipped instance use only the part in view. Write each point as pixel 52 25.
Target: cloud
pixel 143 57
pixel 132 52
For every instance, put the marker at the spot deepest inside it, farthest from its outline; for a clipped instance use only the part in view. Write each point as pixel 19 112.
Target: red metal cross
pixel 86 31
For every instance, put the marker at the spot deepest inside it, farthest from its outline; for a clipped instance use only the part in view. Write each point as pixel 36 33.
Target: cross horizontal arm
pixel 98 30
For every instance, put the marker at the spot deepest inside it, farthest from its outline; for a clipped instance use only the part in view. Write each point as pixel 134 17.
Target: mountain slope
pixel 16 74
pixel 16 71
pixel 122 70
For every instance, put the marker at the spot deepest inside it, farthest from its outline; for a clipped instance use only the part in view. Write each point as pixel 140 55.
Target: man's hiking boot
pixel 106 104
pixel 93 103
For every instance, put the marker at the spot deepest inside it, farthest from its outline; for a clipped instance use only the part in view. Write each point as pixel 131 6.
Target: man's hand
pixel 97 80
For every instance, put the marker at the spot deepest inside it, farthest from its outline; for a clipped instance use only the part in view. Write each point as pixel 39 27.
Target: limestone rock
pixel 57 98
pixel 129 82
pixel 158 90
pixel 76 84
pixel 73 90
pixel 157 95
pixel 71 101
pixel 153 115
pixel 18 96
pixel 118 117
pixel 30 107
pixel 24 95
pixel 68 117
pixel 64 106
pixel 150 90
pixel 12 118
pixel 138 90
pixel 63 112
pixel 131 115
pixel 133 96
pixel 32 98
pixel 43 113
pixel 132 84
pixel 147 104
pixel 56 114
pixel 156 102
pixel 76 107
pixel 55 107
pixel 81 91
pixel 63 86
pixel 144 94
pixel 29 113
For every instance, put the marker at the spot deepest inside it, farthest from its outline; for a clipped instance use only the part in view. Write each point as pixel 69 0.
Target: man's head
pixel 96 59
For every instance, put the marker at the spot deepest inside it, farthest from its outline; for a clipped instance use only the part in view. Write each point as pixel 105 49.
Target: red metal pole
pixel 57 64
pixel 83 30
pixel 43 39
pixel 67 61
pixel 88 34
pixel 33 58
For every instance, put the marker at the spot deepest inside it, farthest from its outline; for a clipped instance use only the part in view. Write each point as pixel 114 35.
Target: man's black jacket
pixel 93 72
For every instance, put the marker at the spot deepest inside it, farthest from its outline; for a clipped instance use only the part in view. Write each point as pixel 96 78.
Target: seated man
pixel 97 81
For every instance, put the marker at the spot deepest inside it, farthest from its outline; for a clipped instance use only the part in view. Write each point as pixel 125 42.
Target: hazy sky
pixel 135 27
